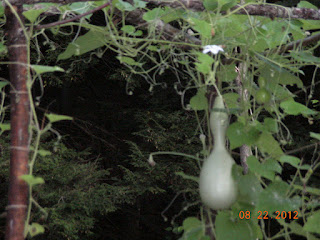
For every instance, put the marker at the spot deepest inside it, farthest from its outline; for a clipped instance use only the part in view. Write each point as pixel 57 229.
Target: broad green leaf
pixel 271 125
pixel 226 4
pixel 131 30
pixel 3 49
pixel 199 101
pixel 311 190
pixel 205 64
pixel 1 11
pixel 5 127
pixel 296 228
pixel 293 161
pixel 139 3
pixel 39 69
pixel 306 4
pixel 3 84
pixel 274 75
pixel 240 134
pixel 310 24
pixel 268 145
pixel 210 5
pixel 35 229
pixel 276 33
pixel 305 57
pixel 81 7
pixel 249 187
pixel 33 14
pixel 193 229
pixel 312 224
pixel 188 177
pixel 154 14
pixel 170 14
pixel 86 43
pixel 275 198
pixel 315 135
pixel 55 117
pixel 201 26
pixel 231 100
pixel 293 108
pixel 32 180
pixel 232 229
pixel 44 153
pixel 227 73
pixel 124 6
pixel 129 61
pixel 268 169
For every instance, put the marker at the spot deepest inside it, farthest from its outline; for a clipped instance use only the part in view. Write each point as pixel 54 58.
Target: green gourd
pixel 217 187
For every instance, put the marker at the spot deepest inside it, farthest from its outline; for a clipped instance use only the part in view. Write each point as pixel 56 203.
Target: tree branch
pixel 72 19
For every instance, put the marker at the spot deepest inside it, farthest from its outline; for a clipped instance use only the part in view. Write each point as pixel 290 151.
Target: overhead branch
pixel 272 11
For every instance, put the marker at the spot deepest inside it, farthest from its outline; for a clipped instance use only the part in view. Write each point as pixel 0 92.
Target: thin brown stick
pixel 49 25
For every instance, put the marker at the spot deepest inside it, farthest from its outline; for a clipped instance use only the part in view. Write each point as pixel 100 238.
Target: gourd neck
pixel 219 138
pixel 219 123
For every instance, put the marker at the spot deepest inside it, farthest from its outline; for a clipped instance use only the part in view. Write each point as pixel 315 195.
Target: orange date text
pixel 266 215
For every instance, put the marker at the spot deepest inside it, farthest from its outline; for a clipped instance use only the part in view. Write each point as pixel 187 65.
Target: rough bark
pixel 20 115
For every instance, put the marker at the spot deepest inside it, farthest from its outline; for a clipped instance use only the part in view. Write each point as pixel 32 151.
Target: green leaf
pixel 305 57
pixel 231 100
pixel 275 198
pixel 32 180
pixel 192 229
pixel 226 4
pixel 293 108
pixel 199 101
pixel 3 49
pixel 81 7
pixel 35 229
pixel 129 61
pixel 293 161
pixel 170 14
pixel 86 43
pixel 55 117
pixel 188 177
pixel 154 14
pixel 239 134
pixel 312 224
pixel 124 6
pixel 268 169
pixel 131 30
pixel 231 229
pixel 39 69
pixel 139 3
pixel 210 5
pixel 306 4
pixel 44 153
pixel 33 14
pixel 315 135
pixel 249 187
pixel 267 144
pixel 205 64
pixel 201 26
pixel 227 73
pixel 271 125
pixel 3 84
pixel 5 127
pixel 273 74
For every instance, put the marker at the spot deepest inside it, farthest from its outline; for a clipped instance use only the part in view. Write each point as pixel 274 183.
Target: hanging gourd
pixel 217 187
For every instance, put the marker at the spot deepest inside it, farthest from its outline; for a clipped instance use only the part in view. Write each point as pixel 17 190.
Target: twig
pixel 49 25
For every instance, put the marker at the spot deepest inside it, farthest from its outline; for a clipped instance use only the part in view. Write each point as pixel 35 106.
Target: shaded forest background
pixel 99 184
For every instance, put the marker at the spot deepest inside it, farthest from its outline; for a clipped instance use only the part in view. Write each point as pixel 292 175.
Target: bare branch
pixel 271 11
